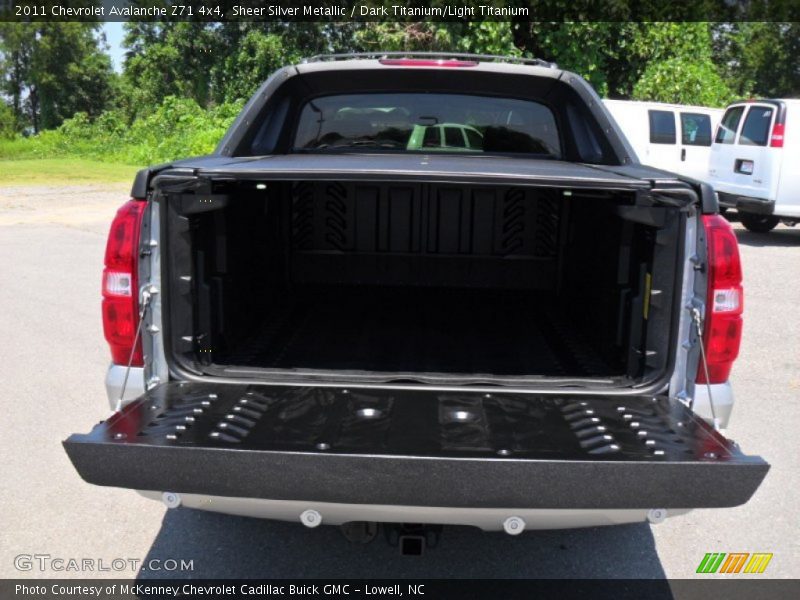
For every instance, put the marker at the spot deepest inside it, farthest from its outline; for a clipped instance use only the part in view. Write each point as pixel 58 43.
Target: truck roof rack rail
pixel 435 55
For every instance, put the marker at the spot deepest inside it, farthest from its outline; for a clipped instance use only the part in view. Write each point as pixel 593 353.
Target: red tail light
pixel 776 139
pixel 121 285
pixel 427 62
pixel 723 319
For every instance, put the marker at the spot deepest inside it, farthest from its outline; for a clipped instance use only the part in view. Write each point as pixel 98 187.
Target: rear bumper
pixel 516 451
pixel 487 519
pixel 759 206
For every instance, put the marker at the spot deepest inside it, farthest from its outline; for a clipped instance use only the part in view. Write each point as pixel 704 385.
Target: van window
pixel 726 132
pixel 453 137
pixel 662 126
pixel 695 129
pixel 755 131
pixel 432 138
pixel 474 138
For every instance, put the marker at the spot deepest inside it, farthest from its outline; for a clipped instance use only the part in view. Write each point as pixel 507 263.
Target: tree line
pixel 51 71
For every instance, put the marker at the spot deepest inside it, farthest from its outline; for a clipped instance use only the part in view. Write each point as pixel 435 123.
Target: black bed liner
pixel 416 447
pixel 452 331
pixel 417 234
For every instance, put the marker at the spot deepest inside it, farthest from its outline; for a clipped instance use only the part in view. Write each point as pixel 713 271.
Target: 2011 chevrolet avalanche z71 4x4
pixel 422 289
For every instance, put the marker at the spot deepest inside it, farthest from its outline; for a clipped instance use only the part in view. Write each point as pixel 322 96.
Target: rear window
pixel 727 128
pixel 662 126
pixel 409 122
pixel 755 131
pixel 695 129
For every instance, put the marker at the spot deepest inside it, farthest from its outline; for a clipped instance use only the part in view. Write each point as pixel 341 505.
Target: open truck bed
pixel 455 278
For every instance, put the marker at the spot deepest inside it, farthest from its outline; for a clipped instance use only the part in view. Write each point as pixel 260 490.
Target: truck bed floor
pixel 423 330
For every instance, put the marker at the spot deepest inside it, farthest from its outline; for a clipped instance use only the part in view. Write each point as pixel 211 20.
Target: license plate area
pixel 745 167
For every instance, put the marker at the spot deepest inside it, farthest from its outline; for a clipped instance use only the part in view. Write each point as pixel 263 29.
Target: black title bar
pixel 400 10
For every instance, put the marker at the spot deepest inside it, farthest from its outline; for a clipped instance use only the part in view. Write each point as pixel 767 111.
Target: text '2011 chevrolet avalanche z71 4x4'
pixel 509 323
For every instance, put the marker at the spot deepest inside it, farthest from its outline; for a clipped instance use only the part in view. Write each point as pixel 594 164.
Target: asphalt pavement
pixel 52 364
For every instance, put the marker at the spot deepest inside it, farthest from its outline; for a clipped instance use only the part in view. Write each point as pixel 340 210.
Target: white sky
pixel 114 35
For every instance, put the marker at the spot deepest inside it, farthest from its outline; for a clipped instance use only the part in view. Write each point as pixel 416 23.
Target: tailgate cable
pixel 698 321
pixel 147 295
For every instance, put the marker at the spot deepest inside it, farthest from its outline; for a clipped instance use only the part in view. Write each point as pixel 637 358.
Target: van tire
pixel 758 223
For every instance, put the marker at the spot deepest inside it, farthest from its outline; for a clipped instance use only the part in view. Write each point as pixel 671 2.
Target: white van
pixel 755 162
pixel 672 137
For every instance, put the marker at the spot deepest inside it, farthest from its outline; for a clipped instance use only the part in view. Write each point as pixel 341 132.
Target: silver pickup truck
pixel 431 289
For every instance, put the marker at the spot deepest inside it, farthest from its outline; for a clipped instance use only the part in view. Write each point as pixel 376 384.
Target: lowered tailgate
pixel 416 447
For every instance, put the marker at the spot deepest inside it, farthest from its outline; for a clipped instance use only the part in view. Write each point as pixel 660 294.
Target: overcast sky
pixel 114 35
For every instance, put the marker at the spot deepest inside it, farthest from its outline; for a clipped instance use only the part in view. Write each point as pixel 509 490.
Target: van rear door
pixel 722 150
pixel 743 163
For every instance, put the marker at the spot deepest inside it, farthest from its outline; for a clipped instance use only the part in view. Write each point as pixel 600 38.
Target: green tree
pixel 644 60
pixel 70 72
pixel 476 37
pixel 759 59
pixel 682 81
pixel 591 49
pixel 216 62
pixel 676 62
pixel 247 52
pixel 487 37
pixel 257 56
pixel 8 122
pixel 169 59
pixel 16 47
pixel 403 37
pixel 53 70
